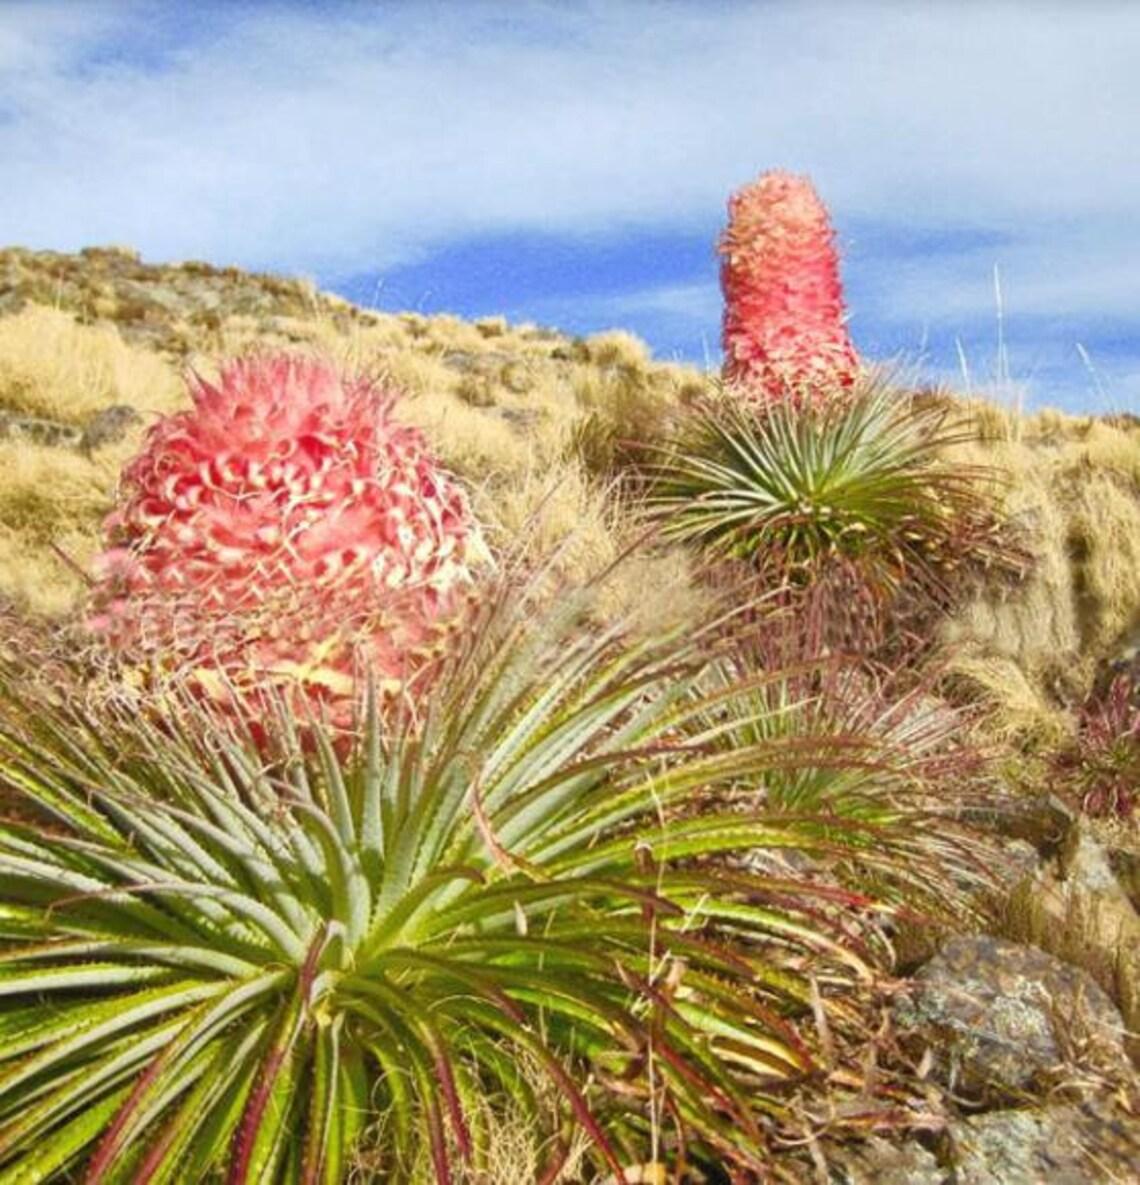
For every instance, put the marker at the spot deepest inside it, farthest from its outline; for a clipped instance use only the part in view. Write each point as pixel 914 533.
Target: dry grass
pixel 511 1151
pixel 1071 484
pixel 1020 709
pixel 53 368
pixel 547 509
pixel 36 581
pixel 654 591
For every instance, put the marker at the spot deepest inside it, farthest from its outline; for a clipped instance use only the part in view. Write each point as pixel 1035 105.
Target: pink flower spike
pixel 784 333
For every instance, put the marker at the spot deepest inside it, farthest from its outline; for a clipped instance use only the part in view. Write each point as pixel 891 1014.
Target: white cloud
pixel 701 302
pixel 359 137
pixel 1083 272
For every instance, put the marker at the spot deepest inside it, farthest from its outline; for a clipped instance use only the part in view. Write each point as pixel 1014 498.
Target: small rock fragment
pixel 107 426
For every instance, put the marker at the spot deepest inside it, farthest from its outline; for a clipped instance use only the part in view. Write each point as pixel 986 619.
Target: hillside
pixel 535 421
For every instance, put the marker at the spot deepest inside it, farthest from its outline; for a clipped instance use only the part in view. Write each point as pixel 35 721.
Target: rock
pixel 44 432
pixel 1085 863
pixel 489 362
pixel 1077 909
pixel 881 1162
pixel 461 360
pixel 1042 820
pixel 520 417
pixel 997 1016
pixel 107 426
pixel 1069 1145
pixel 1125 862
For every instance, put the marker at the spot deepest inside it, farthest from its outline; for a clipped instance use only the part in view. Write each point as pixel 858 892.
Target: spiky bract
pixel 281 525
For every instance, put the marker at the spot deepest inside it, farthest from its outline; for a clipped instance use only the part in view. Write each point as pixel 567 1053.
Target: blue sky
pixel 568 163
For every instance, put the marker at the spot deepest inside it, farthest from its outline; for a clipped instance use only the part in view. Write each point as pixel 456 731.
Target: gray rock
pixel 997 1015
pixel 38 431
pixel 881 1162
pixel 1042 820
pixel 1065 1145
pixel 107 426
pixel 1125 862
pixel 520 417
pixel 1077 908
pixel 489 362
pixel 1086 864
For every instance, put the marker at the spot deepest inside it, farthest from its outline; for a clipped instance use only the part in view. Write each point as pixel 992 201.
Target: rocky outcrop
pixel 1065 1145
pixel 106 427
pixel 38 431
pixel 1076 908
pixel 163 306
pixel 1001 1019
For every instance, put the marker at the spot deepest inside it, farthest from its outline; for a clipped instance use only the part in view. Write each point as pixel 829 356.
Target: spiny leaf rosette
pixel 784 333
pixel 212 966
pixel 858 493
pixel 1101 768
pixel 284 528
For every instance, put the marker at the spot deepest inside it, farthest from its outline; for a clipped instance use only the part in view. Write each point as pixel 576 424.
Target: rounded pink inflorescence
pixel 784 332
pixel 281 531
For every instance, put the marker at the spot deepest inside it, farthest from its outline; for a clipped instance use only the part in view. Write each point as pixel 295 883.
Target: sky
pixel 568 163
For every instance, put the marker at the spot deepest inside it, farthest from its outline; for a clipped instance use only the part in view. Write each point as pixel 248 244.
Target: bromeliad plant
pixel 858 488
pixel 212 965
pixel 1100 768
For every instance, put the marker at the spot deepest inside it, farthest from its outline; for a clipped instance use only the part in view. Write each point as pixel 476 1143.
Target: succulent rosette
pixel 785 336
pixel 281 531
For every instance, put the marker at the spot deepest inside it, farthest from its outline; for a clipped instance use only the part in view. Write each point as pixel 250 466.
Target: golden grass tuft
pixel 509 1147
pixel 473 441
pixel 654 591
pixel 36 581
pixel 1104 545
pixel 1019 708
pixel 615 347
pixel 53 368
pixel 1070 484
pixel 557 508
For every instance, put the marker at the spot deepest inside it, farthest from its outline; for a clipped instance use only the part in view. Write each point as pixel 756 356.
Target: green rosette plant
pixel 857 491
pixel 216 964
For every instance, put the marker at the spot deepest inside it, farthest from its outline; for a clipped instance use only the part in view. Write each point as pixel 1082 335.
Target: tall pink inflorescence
pixel 280 532
pixel 784 331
